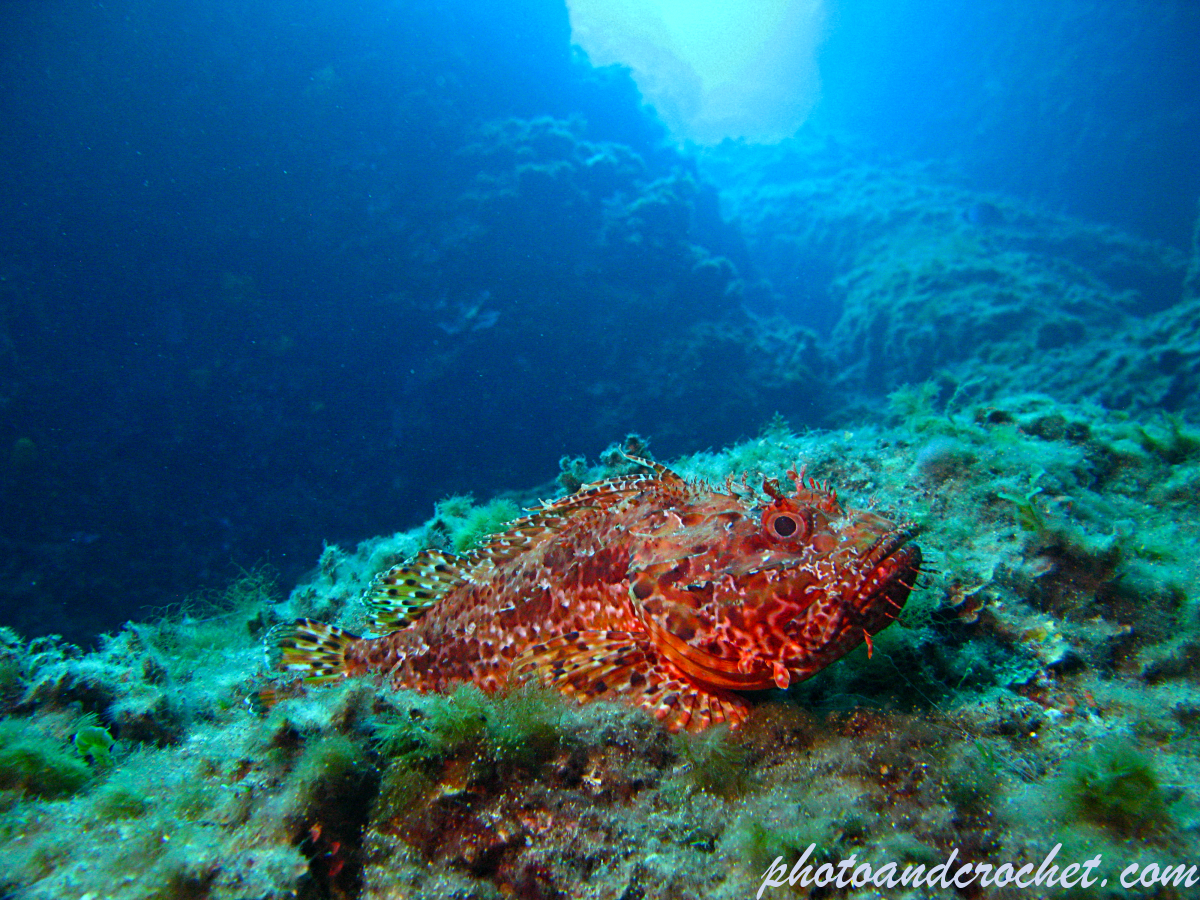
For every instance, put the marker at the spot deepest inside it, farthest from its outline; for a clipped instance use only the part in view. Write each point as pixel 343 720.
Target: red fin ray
pixel 541 524
pixel 611 665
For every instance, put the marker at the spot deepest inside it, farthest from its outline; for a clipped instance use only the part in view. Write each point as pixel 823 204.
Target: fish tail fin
pixel 317 652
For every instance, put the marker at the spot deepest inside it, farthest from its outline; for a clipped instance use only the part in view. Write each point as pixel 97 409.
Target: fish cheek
pixel 799 591
pixel 673 613
pixel 819 626
pixel 642 587
pixel 824 542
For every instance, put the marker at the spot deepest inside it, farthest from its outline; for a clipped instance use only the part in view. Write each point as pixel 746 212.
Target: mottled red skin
pixel 672 595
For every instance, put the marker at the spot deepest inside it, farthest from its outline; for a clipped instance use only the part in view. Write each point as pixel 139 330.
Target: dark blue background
pixel 245 246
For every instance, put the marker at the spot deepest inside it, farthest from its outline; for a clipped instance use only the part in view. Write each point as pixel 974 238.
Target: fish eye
pixel 785 526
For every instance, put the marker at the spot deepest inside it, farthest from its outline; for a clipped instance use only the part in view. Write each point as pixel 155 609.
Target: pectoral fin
pixel 611 665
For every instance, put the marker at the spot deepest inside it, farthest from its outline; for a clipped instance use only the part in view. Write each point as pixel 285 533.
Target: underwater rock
pixel 1045 657
pixel 1011 298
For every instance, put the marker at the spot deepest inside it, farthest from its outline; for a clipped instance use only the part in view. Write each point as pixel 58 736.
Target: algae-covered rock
pixel 1116 785
pixel 1038 688
pixel 36 764
pixel 914 276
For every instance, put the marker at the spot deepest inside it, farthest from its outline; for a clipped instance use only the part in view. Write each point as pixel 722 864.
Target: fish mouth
pixel 887 573
pixel 883 577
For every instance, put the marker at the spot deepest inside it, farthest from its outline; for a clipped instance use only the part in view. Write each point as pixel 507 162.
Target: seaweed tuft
pixel 36 764
pixel 716 763
pixel 1115 785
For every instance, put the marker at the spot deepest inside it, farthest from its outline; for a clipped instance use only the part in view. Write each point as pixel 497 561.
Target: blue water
pixel 275 273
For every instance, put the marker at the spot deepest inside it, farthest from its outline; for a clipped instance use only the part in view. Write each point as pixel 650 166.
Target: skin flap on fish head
pixel 749 591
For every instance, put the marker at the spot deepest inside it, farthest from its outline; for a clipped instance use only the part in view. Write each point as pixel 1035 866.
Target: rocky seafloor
pixel 1040 688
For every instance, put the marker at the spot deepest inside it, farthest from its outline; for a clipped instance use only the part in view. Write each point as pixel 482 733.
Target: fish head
pixel 748 590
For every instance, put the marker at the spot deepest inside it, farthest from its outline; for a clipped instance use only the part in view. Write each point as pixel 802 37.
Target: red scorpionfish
pixel 664 593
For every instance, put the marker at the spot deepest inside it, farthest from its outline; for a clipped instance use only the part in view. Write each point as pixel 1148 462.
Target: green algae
pixel 974 778
pixel 1115 785
pixel 522 726
pixel 34 763
pixel 529 724
pixel 402 789
pixel 466 524
pixel 117 800
pixel 974 713
pixel 716 763
pixel 1027 514
pixel 1178 444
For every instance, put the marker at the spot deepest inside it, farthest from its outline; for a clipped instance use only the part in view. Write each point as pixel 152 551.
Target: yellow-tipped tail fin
pixel 315 651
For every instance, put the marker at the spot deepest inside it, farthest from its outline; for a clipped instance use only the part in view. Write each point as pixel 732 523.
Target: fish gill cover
pixel 292 284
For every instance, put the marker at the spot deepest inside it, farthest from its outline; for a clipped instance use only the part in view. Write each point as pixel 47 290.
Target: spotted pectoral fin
pixel 313 650
pixel 404 593
pixel 588 664
pixel 618 665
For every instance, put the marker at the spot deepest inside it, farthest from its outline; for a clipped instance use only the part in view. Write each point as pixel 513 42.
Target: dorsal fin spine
pixel 402 594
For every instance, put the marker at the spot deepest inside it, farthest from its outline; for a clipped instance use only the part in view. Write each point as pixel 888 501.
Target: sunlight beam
pixel 712 68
